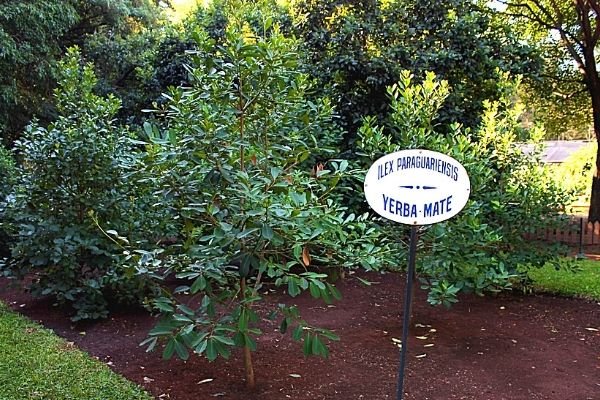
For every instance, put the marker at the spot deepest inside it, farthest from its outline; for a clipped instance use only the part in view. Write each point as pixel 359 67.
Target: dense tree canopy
pixel 33 36
pixel 572 27
pixel 240 179
pixel 356 49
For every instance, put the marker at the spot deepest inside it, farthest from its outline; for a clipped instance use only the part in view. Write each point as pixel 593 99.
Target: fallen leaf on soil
pixel 305 256
pixel 205 381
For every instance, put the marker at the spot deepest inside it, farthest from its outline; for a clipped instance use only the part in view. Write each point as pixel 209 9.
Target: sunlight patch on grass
pixel 584 281
pixel 36 364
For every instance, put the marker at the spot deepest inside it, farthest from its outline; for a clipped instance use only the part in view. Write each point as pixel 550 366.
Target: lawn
pixel 36 364
pixel 582 281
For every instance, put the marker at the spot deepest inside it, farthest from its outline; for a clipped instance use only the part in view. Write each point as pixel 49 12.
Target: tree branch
pixel 547 20
pixel 568 96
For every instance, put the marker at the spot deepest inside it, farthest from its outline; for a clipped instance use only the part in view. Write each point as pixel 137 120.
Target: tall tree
pixel 356 49
pixel 33 36
pixel 575 26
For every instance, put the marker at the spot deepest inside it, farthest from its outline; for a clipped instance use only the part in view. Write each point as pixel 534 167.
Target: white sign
pixel 417 187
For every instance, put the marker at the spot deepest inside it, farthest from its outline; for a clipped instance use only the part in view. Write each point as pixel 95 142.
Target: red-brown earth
pixel 505 347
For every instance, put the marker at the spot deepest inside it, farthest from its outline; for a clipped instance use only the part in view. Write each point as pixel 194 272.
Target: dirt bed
pixel 507 347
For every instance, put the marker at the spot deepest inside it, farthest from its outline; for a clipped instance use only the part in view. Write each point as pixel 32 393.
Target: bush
pixel 577 171
pixel 238 167
pixel 7 180
pixel 483 248
pixel 69 177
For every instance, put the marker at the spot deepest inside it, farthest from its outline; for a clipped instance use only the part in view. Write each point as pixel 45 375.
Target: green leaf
pixel 267 232
pixel 223 350
pixel 181 350
pixel 225 340
pixel 246 233
pixel 293 288
pixel 198 285
pixel 307 347
pixel 151 342
pixel 169 349
pixel 334 292
pixel 297 333
pixel 299 199
pixel 211 349
pixel 163 327
pixel 201 346
pixel 283 326
pixel 186 310
pixel 249 342
pixel 318 348
pixel 275 171
pixel 314 290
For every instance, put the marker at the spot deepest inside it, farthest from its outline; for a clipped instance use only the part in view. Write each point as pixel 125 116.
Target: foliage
pixel 124 65
pixel 237 167
pixel 576 172
pixel 570 31
pixel 484 247
pixel 29 33
pixel 36 364
pixel 7 181
pixel 580 280
pixel 69 177
pixel 33 36
pixel 557 95
pixel 355 50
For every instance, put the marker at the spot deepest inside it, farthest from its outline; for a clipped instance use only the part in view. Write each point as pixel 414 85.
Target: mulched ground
pixel 508 347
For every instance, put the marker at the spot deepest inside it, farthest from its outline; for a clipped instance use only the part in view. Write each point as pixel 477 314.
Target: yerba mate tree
pixel 489 246
pixel 240 169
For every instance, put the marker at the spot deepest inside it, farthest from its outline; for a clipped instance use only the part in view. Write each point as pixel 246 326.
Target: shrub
pixel 7 180
pixel 577 171
pixel 238 166
pixel 483 248
pixel 70 176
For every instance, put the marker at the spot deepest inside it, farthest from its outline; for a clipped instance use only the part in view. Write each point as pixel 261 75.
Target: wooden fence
pixel 577 232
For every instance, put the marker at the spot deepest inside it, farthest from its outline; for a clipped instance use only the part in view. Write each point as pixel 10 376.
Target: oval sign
pixel 417 187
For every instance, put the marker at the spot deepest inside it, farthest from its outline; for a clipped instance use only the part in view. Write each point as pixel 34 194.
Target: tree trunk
pixel 590 27
pixel 250 381
pixel 594 211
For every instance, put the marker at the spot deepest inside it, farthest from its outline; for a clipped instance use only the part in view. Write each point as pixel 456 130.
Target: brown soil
pixel 506 347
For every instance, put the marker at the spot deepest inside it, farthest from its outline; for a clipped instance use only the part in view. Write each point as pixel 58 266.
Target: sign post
pixel 415 187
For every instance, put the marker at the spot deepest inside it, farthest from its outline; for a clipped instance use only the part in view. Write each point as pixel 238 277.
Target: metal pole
pixel 581 255
pixel 407 307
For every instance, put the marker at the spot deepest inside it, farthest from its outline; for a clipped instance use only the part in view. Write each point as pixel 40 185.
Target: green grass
pixel 584 281
pixel 36 364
